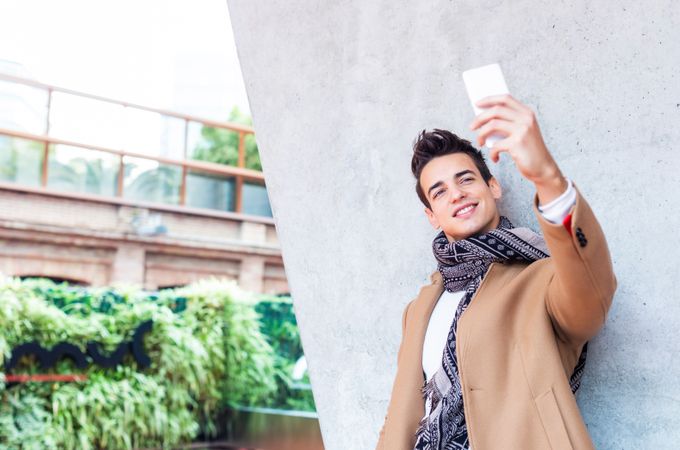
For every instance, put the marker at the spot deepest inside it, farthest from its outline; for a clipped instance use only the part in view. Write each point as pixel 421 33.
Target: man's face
pixel 452 182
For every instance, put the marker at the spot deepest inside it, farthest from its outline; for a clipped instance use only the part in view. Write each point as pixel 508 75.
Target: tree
pixel 220 146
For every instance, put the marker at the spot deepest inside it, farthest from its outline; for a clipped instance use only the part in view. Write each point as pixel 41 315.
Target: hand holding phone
pixel 482 82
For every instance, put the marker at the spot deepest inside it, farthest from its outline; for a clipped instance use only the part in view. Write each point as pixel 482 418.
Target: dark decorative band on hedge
pixel 49 358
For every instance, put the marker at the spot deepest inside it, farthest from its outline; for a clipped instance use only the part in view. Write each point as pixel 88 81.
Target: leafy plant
pixel 278 323
pixel 208 354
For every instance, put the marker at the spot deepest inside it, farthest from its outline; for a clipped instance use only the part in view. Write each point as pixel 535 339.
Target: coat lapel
pixel 427 299
pixel 422 310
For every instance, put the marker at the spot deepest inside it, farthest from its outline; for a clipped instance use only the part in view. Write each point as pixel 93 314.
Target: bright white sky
pixel 174 54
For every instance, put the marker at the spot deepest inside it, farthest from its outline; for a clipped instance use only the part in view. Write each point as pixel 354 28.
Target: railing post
pixel 121 176
pixel 46 146
pixel 183 186
pixel 239 180
pixel 239 189
pixel 49 110
pixel 241 149
pixel 186 138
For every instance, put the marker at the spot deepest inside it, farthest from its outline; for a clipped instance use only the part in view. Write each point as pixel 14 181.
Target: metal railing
pixel 239 172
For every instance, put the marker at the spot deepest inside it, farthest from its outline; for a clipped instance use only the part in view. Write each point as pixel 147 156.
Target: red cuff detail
pixel 567 223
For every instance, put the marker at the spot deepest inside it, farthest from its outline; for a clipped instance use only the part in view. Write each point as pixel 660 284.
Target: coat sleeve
pixel 387 424
pixel 582 288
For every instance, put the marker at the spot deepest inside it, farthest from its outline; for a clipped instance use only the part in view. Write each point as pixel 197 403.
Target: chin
pixel 468 231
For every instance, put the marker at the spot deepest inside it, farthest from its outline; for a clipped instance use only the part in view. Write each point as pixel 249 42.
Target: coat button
pixel 581 237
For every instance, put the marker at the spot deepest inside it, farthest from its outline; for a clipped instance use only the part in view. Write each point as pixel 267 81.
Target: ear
pixel 495 187
pixel 430 216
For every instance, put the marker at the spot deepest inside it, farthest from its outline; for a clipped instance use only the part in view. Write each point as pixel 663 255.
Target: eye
pixel 437 193
pixel 465 180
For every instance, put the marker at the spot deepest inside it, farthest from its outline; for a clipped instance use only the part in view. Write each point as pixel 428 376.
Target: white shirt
pixel 445 309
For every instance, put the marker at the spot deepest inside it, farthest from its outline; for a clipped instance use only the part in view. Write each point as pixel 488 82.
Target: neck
pixel 492 226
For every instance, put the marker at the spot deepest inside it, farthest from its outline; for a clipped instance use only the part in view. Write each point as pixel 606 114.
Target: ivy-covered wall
pixel 212 346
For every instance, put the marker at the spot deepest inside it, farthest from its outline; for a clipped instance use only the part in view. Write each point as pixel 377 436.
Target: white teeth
pixel 466 209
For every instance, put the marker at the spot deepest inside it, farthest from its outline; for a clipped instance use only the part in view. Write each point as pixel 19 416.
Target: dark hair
pixel 431 144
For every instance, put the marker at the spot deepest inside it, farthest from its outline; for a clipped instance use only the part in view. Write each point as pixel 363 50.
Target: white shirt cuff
pixel 557 210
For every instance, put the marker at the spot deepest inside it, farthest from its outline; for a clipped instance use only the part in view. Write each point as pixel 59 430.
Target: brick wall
pixel 96 243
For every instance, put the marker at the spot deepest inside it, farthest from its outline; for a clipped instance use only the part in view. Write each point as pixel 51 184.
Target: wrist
pixel 550 186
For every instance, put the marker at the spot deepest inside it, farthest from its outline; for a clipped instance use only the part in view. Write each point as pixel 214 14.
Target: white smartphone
pixel 482 82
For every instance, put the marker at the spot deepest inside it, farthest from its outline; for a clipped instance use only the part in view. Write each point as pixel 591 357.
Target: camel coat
pixel 518 343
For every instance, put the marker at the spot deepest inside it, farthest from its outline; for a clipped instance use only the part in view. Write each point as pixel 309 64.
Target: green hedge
pixel 210 346
pixel 279 325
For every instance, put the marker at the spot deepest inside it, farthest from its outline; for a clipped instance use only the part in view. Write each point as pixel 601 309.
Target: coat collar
pixel 436 277
pixel 430 293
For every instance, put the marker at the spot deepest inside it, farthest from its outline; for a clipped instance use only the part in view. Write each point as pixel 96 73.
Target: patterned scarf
pixel 463 264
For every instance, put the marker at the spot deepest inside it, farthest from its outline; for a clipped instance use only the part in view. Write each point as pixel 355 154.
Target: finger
pixel 495 126
pixel 501 99
pixel 496 149
pixel 495 112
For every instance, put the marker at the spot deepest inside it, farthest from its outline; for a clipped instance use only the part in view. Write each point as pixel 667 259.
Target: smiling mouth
pixel 465 212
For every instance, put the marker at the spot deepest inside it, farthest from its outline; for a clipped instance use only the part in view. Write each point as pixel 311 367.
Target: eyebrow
pixel 455 177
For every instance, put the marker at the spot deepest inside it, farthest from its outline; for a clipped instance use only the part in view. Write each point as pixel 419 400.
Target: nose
pixel 456 194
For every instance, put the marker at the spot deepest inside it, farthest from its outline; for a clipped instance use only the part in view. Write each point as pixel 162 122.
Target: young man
pixel 493 349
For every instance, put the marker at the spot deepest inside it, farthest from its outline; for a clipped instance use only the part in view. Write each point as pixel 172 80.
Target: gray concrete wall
pixel 338 92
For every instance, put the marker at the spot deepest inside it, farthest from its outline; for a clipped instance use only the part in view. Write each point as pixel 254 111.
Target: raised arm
pixel 581 291
pixel 583 286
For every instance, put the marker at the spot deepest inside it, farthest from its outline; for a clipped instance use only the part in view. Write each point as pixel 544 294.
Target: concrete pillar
pixel 338 92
